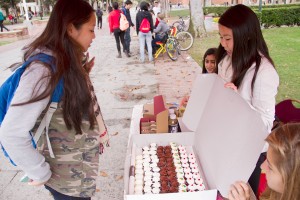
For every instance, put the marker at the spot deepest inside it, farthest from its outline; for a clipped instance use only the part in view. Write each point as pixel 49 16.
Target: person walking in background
pixel 77 132
pixel 244 63
pixel 126 12
pixel 99 14
pixel 209 61
pixel 144 29
pixel 282 167
pixel 114 27
pixel 1 22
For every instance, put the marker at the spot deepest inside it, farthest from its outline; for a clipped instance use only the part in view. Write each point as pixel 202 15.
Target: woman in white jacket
pixel 245 65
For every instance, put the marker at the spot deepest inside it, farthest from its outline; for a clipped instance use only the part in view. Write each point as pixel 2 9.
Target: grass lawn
pixel 4 43
pixel 284 47
pixel 176 13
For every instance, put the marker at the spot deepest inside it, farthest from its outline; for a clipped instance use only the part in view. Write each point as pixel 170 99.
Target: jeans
pixel 60 196
pixel 127 39
pixel 2 26
pixel 119 35
pixel 142 38
pixel 99 21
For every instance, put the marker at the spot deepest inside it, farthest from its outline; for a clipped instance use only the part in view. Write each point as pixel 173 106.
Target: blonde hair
pixel 285 142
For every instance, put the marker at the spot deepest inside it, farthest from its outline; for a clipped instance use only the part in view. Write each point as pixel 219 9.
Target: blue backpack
pixel 7 91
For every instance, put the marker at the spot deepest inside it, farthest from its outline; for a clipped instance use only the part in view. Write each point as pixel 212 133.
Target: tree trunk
pixel 196 27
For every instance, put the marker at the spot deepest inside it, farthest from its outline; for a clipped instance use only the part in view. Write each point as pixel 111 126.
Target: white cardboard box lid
pixel 229 135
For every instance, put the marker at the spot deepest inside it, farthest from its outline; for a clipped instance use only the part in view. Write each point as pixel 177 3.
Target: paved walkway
pixel 120 84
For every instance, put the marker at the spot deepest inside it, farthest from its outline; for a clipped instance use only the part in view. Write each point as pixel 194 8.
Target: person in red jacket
pixel 114 27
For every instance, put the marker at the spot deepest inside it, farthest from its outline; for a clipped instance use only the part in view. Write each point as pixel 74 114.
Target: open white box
pixel 227 137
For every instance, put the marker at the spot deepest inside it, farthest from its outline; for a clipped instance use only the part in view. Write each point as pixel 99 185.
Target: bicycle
pixel 184 38
pixel 170 45
pixel 180 24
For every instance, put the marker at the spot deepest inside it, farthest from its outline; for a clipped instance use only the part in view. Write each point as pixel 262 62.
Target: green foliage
pixel 275 15
pixel 284 47
pixel 281 16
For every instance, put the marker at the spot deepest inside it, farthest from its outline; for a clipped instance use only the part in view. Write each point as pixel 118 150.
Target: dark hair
pixel 109 9
pixel 77 99
pixel 115 5
pixel 144 5
pixel 249 45
pixel 128 2
pixel 210 51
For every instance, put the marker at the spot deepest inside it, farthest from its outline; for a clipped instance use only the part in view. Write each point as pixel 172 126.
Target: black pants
pixel 119 35
pixel 2 26
pixel 255 176
pixel 60 196
pixel 99 21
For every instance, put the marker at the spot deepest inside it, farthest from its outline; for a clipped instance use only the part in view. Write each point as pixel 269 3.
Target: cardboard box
pixel 227 137
pixel 157 113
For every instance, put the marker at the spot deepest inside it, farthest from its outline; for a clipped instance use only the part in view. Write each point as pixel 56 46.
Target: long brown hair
pixel 77 100
pixel 285 143
pixel 248 42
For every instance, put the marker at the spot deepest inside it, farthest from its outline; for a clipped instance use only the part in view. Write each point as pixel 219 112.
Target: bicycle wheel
pixel 171 49
pixel 185 40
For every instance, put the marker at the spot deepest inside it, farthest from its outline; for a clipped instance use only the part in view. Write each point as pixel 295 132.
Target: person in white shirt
pixel 245 65
pixel 156 8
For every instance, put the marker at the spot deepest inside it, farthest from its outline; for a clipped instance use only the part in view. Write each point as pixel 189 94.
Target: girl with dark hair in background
pixel 209 61
pixel 245 65
pixel 77 132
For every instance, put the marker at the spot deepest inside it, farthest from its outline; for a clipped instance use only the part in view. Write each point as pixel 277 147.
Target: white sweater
pixel 264 91
pixel 19 120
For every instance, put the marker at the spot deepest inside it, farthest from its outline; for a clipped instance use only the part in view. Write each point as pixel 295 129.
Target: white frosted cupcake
pixel 155 190
pixel 139 176
pixel 188 175
pixel 184 160
pixel 155 179
pixel 190 181
pixel 146 160
pixel 138 189
pixel 146 148
pixel 187 170
pixel 139 166
pixel 195 170
pixel 147 178
pixel 193 164
pixel 147 189
pixel 179 169
pixel 196 175
pixel 139 171
pixel 155 169
pixel 179 175
pixel 148 173
pixel 185 165
pixel 148 183
pixel 152 165
pixel 181 180
pixel 156 184
pixel 199 181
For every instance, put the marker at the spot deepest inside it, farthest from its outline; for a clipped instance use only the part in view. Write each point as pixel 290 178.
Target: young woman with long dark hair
pixel 245 65
pixel 77 132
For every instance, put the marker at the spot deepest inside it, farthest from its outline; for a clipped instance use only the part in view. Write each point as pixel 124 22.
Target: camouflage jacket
pixel 75 166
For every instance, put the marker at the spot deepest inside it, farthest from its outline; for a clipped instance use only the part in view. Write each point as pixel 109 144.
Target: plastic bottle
pixel 173 124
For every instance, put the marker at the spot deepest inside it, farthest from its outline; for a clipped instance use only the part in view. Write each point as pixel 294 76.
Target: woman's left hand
pixel 239 191
pixel 231 85
pixel 89 64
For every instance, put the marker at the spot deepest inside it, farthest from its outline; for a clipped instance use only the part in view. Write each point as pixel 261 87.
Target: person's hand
pixel 239 191
pixel 231 85
pixel 184 101
pixel 36 183
pixel 89 64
